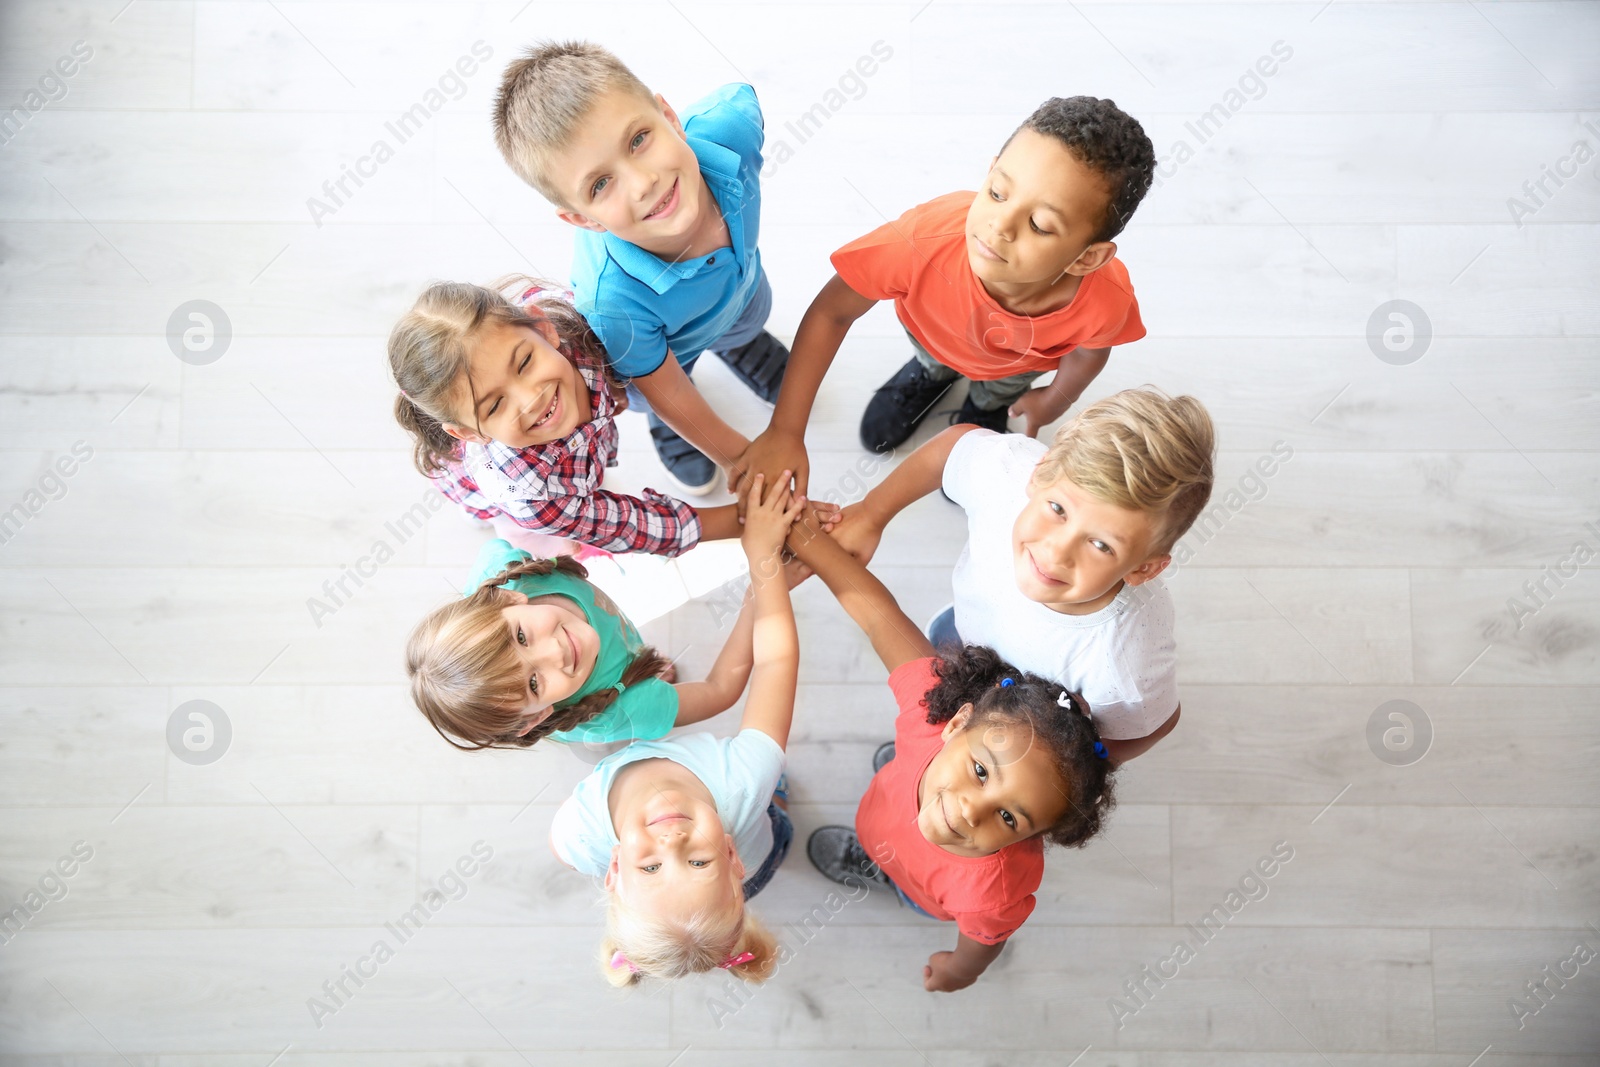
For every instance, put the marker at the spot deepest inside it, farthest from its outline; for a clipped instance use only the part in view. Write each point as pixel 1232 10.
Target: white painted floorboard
pixel 1375 565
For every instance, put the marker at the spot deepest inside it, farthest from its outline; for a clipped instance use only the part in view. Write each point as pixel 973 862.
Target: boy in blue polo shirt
pixel 668 211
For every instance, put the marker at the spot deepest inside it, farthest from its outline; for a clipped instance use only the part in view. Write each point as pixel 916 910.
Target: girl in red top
pixel 989 765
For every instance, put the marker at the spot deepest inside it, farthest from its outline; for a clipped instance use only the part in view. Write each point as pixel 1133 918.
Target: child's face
pixel 1036 215
pixel 557 646
pixel 522 391
pixel 674 857
pixel 629 171
pixel 989 787
pixel 1070 549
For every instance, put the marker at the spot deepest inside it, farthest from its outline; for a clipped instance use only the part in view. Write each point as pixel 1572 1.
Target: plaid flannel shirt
pixel 554 488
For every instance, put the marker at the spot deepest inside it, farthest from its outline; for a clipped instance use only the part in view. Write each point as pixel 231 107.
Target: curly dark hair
pixel 972 675
pixel 1108 140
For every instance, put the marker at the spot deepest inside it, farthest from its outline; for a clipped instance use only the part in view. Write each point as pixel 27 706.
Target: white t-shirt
pixel 1122 658
pixel 740 773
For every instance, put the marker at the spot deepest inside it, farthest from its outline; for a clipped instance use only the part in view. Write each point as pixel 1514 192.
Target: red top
pixel 920 262
pixel 987 897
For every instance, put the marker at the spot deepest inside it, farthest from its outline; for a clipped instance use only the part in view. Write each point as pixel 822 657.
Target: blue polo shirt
pixel 639 304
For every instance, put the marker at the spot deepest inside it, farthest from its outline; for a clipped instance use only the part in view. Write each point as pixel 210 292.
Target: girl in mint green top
pixel 535 650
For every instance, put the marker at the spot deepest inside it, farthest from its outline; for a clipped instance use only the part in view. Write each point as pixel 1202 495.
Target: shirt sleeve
pixel 635 345
pixel 568 836
pixel 995 925
pixel 1122 322
pixel 645 712
pixel 961 468
pixel 657 524
pixel 494 557
pixel 1144 662
pixel 880 265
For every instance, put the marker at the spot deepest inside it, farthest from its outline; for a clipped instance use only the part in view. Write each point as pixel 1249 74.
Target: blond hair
pixel 543 97
pixel 430 354
pixel 469 682
pixel 641 945
pixel 1143 450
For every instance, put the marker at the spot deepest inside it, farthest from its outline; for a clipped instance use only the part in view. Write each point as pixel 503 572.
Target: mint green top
pixel 643 711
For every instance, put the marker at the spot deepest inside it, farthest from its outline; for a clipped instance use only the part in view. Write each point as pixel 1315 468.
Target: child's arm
pixel 947 972
pixel 782 444
pixel 655 524
pixel 679 404
pixel 770 707
pixel 1047 403
pixel 1120 752
pixel 698 701
pixel 895 638
pixel 861 525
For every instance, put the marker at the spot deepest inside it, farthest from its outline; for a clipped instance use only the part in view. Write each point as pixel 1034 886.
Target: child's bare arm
pixel 782 444
pixel 1119 752
pixel 947 972
pixel 1047 403
pixel 679 404
pixel 719 522
pixel 767 520
pixel 861 525
pixel 698 701
pixel 895 638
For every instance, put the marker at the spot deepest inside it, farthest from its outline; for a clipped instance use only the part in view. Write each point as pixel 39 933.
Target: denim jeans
pixel 942 630
pixel 746 328
pixel 782 836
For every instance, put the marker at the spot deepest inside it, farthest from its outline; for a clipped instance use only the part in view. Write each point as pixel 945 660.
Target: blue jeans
pixel 782 836
pixel 909 903
pixel 746 328
pixel 942 630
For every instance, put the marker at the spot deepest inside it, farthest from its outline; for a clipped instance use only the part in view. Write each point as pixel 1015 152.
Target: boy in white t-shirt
pixel 1065 543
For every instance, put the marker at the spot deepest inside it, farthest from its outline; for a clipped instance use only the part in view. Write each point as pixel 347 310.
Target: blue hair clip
pixel 1100 750
pixel 1007 681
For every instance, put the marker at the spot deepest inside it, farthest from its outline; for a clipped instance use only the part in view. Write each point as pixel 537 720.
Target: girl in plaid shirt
pixel 512 411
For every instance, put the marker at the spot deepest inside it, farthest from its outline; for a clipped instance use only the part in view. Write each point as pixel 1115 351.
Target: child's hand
pixel 856 532
pixel 773 448
pixel 1039 408
pixel 768 514
pixel 940 976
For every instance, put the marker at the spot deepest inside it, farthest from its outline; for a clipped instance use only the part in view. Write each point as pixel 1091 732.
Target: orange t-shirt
pixel 920 262
pixel 987 897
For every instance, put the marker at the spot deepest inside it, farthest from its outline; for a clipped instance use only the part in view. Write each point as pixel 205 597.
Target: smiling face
pixel 674 857
pixel 557 647
pixel 519 390
pixel 629 171
pixel 1035 218
pixel 989 787
pixel 1072 551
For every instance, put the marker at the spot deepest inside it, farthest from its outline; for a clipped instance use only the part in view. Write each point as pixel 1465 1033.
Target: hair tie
pixel 734 961
pixel 619 687
pixel 1100 750
pixel 1007 681
pixel 407 396
pixel 618 960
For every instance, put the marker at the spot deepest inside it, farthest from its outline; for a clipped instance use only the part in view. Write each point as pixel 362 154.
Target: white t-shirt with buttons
pixel 1122 658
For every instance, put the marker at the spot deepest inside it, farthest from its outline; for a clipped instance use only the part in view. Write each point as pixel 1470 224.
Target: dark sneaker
pixel 759 364
pixel 990 420
pixel 899 406
pixel 884 754
pixel 835 851
pixel 690 468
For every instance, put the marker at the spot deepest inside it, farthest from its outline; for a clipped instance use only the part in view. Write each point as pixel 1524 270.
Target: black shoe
pixel 835 851
pixel 884 754
pixel 759 364
pixel 690 468
pixel 990 420
pixel 899 406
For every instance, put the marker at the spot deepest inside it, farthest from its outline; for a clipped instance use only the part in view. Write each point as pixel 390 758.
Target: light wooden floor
pixel 176 563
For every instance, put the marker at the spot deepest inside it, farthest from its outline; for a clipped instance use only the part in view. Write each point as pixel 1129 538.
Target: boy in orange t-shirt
pixel 999 287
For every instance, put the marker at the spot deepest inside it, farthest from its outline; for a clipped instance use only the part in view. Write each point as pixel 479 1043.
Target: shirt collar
pixel 719 166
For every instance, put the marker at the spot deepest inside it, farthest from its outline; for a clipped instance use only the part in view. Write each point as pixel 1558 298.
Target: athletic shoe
pixel 759 364
pixel 689 467
pixel 884 754
pixel 990 420
pixel 899 406
pixel 835 851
